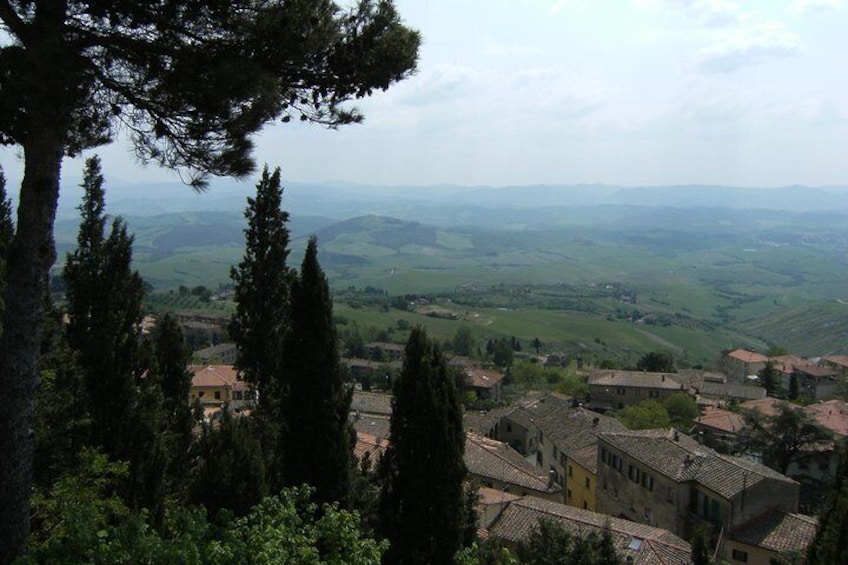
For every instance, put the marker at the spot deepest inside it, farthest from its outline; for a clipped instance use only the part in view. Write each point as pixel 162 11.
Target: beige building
pixel 666 479
pixel 614 390
pixel 217 386
pixel 741 363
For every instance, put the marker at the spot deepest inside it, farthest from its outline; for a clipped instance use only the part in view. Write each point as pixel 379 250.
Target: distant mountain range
pixel 449 204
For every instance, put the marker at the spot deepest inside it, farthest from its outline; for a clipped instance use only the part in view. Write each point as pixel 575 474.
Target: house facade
pixel 738 364
pixel 666 479
pixel 614 390
pixel 217 386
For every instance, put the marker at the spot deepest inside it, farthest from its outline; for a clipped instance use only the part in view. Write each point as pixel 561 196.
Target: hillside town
pixel 547 455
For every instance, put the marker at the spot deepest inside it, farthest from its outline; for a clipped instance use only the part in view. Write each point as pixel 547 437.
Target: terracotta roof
pixel 817 371
pixel 723 420
pixel 646 545
pixel 839 360
pixel 747 356
pixel 487 496
pixel 832 415
pixel 636 379
pixel 766 406
pixel 683 459
pixel 371 403
pixel 480 378
pixel 777 531
pixel 213 375
pixel 369 445
pixel 492 459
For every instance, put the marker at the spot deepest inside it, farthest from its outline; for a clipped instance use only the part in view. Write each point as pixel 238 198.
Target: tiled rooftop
pixel 369 445
pixel 747 356
pixel 371 403
pixel 374 425
pixel 683 459
pixel 646 545
pixel 777 531
pixel 213 375
pixel 636 379
pixel 492 459
pixel 723 420
pixel 482 378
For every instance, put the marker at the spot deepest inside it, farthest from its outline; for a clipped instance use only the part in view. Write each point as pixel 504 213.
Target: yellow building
pixel 215 386
pixel 581 477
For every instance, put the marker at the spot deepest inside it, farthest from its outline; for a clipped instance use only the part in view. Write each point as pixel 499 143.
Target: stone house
pixel 496 465
pixel 738 364
pixel 614 390
pixel 667 479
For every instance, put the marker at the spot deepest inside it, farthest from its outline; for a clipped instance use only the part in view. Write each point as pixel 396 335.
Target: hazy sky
pixel 751 93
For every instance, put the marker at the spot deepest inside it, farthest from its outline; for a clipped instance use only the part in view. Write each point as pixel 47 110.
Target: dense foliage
pixel 422 509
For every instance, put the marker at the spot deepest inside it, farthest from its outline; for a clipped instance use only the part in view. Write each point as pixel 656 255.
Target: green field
pixel 604 284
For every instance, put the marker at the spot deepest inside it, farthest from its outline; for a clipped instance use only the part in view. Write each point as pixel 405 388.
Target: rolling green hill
pixel 607 280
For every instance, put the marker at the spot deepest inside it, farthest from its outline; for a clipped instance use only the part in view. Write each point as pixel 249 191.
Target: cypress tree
pixel 317 404
pixel 171 357
pixel 104 305
pixel 260 324
pixel 421 508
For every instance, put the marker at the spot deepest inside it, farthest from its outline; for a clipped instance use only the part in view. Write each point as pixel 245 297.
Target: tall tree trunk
pixel 30 257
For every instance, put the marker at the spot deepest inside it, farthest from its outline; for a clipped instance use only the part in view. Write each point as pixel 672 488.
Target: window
pixel 570 471
pixel 569 494
pixel 654 394
pixel 217 395
pixel 540 458
pixel 588 482
pixel 236 395
pixel 556 454
pixel 604 454
pixel 633 473
pixel 739 555
pixel 562 459
pixel 509 426
pixel 541 437
pixel 201 393
pixel 621 391
pixel 585 505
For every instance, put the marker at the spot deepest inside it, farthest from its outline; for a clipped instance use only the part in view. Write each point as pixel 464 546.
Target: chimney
pixel 595 421
pixel 701 437
pixel 663 378
pixel 676 436
pixel 551 478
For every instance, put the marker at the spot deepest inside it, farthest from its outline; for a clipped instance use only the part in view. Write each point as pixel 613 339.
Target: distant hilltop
pixel 345 200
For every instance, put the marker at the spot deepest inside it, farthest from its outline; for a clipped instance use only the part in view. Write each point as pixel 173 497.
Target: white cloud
pixel 749 46
pixel 702 13
pixel 815 6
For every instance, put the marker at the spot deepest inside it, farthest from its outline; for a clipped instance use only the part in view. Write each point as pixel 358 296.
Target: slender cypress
pixel 317 436
pixel 261 322
pixel 104 305
pixel 422 504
